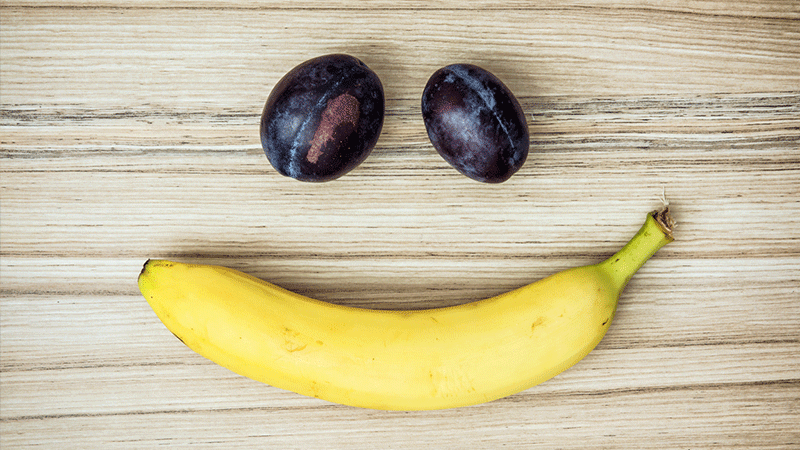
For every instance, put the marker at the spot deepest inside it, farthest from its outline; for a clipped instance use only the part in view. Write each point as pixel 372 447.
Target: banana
pixel 397 360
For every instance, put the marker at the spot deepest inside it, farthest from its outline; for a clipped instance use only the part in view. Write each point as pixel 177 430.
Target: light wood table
pixel 129 131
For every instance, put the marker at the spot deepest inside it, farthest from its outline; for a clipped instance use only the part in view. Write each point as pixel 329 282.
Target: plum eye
pixel 475 123
pixel 323 118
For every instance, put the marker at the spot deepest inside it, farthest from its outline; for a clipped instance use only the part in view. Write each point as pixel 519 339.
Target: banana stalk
pixel 397 360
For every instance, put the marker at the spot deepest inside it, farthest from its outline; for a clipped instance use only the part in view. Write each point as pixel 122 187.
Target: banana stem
pixel 654 234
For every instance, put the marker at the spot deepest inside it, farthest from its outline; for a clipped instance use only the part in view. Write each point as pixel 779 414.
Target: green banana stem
pixel 654 234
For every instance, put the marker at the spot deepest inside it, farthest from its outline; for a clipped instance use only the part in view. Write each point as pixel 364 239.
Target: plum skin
pixel 323 118
pixel 475 123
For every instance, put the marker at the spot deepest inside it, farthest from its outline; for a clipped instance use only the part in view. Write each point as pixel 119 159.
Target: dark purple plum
pixel 323 118
pixel 475 123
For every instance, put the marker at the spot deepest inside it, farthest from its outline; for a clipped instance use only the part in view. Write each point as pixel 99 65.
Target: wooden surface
pixel 130 131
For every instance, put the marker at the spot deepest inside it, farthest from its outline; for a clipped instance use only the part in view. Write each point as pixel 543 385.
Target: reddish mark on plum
pixel 342 110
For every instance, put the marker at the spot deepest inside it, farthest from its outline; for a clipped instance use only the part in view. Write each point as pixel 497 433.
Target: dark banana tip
pixel 144 268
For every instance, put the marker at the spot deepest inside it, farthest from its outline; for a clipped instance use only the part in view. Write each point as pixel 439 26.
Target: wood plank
pixel 196 59
pixel 737 416
pixel 773 8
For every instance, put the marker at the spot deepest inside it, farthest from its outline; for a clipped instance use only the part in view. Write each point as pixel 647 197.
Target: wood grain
pixel 130 131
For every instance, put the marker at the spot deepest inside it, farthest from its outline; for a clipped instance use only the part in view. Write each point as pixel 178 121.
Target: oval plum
pixel 323 118
pixel 475 123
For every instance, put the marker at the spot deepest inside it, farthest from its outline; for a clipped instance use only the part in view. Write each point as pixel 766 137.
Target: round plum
pixel 323 118
pixel 475 123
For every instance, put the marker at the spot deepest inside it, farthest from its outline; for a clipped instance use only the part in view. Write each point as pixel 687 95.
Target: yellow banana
pixel 397 360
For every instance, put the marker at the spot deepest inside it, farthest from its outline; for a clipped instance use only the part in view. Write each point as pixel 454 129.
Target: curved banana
pixel 397 360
